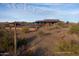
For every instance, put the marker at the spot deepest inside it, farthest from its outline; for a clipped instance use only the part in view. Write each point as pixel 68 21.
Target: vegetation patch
pixel 25 29
pixel 62 24
pixel 74 29
pixel 42 33
pixel 4 40
pixel 70 47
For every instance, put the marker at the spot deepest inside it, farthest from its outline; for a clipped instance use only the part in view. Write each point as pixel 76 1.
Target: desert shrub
pixel 74 29
pixel 25 29
pixel 21 42
pixel 62 24
pixel 70 47
pixel 56 27
pixel 64 46
pixel 4 40
pixel 42 33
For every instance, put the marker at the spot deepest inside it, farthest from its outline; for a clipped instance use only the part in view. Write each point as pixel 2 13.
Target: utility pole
pixel 15 45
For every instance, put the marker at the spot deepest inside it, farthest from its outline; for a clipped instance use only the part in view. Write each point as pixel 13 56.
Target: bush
pixel 42 33
pixel 62 24
pixel 74 29
pixel 56 27
pixel 4 40
pixel 21 42
pixel 70 47
pixel 25 30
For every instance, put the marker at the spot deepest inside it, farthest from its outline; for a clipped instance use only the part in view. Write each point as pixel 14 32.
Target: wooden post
pixel 15 45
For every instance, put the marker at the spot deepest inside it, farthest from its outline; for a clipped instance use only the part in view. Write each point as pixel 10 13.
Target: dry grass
pixel 74 29
pixel 52 40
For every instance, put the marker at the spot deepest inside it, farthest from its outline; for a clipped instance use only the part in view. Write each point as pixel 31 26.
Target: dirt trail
pixel 47 42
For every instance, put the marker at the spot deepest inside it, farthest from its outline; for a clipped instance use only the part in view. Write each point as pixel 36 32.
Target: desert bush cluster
pixel 74 29
pixel 62 24
pixel 50 40
pixel 25 29
pixel 70 47
pixel 6 41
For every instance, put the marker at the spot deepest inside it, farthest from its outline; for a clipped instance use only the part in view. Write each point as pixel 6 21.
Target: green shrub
pixel 56 27
pixel 25 29
pixel 74 29
pixel 4 40
pixel 21 42
pixel 41 33
pixel 62 24
pixel 70 47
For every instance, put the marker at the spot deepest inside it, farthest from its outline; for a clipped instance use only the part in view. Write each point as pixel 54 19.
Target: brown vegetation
pixel 56 39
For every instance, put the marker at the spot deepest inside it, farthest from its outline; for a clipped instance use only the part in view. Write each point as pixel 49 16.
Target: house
pixel 47 22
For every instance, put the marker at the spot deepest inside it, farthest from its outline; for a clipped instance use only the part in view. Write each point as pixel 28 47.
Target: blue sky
pixel 39 11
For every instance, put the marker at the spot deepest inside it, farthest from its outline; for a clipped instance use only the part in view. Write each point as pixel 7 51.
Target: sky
pixel 30 12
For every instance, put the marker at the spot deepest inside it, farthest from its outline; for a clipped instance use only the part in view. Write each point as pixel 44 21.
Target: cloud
pixel 39 11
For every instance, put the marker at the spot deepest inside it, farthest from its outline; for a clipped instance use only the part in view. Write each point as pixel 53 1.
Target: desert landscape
pixel 40 39
pixel 39 29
